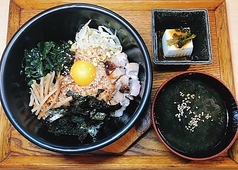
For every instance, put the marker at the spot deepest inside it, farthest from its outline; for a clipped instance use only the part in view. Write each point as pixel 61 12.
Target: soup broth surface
pixel 192 116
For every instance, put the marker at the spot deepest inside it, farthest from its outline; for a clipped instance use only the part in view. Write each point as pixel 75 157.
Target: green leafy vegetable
pixel 47 57
pixel 181 37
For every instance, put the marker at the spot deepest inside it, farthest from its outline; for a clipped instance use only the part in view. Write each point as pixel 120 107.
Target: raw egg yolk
pixel 83 72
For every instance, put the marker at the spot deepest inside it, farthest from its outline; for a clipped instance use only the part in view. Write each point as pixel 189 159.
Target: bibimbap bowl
pixel 87 130
pixel 195 115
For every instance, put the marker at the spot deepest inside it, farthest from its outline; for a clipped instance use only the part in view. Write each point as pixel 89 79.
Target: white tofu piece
pixel 172 50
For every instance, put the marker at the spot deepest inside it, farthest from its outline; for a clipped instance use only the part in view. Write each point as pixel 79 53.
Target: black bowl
pixel 195 115
pixel 57 24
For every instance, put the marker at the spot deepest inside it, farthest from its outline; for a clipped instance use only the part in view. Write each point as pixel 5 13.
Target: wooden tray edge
pixel 227 75
pixel 5 125
pixel 115 162
pixel 227 72
pixel 16 161
pixel 123 4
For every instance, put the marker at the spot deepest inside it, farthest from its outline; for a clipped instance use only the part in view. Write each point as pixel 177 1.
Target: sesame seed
pixel 184 109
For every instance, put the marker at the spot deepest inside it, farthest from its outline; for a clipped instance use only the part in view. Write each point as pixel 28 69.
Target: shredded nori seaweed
pixel 89 104
pixel 85 116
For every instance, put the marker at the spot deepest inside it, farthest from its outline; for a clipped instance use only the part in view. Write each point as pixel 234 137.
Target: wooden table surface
pixel 232 8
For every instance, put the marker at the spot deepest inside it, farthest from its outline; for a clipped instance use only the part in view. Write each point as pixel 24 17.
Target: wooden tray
pixel 139 148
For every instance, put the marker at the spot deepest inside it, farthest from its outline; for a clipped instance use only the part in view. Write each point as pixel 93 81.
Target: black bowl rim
pixel 109 140
pixel 157 130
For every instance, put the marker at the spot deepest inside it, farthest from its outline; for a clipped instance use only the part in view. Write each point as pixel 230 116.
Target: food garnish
pixel 177 42
pixel 181 37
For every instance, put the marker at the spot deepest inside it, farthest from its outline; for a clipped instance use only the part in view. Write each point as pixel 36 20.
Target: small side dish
pixel 181 37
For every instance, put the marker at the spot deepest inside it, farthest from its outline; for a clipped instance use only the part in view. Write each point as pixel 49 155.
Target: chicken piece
pixel 117 98
pixel 134 87
pixel 132 70
pixel 120 60
pixel 109 67
pixel 122 84
pixel 118 113
pixel 116 74
pixel 122 89
pixel 124 103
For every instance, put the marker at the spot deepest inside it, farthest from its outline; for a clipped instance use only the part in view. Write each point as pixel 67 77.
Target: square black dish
pixel 198 22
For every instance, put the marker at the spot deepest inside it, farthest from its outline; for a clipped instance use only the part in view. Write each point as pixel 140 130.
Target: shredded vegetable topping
pixel 102 41
pixel 45 96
